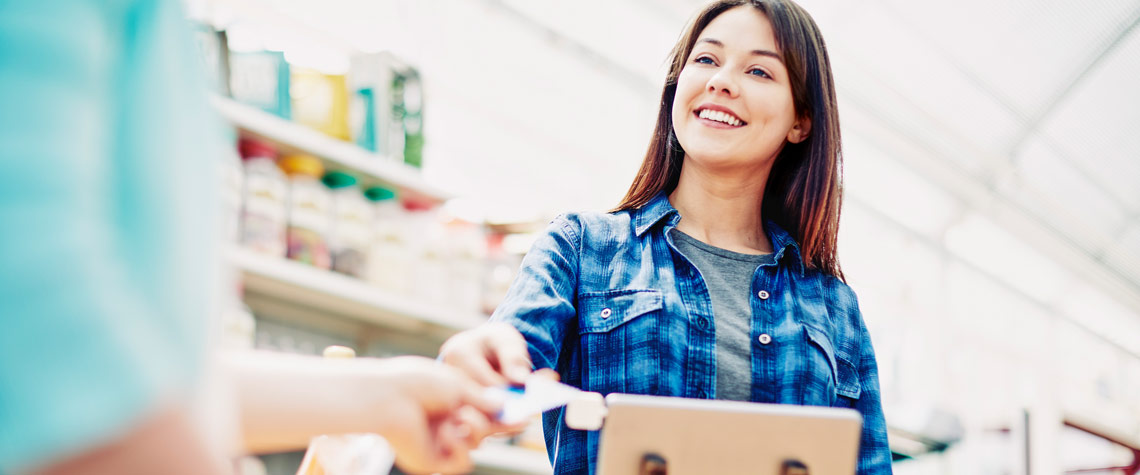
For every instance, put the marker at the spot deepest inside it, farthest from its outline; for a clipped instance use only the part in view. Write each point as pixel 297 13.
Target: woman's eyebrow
pixel 755 52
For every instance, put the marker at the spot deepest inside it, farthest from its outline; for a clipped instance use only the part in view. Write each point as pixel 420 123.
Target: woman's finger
pixel 508 348
pixel 474 363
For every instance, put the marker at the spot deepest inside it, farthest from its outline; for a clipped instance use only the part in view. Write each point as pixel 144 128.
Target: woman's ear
pixel 800 130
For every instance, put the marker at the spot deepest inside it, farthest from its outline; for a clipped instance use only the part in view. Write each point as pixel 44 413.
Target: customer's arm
pixel 163 443
pixel 430 413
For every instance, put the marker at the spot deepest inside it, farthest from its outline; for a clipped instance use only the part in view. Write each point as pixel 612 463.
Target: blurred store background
pixel 991 227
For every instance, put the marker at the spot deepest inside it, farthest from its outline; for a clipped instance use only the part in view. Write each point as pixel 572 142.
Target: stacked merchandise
pixel 292 207
pixel 313 211
pixel 377 104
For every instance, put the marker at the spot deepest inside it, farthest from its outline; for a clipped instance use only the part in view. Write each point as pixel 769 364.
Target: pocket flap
pixel 604 311
pixel 845 373
pixel 820 339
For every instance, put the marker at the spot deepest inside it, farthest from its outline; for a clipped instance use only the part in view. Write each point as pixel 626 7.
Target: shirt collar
pixel 653 212
pixel 659 208
pixel 782 243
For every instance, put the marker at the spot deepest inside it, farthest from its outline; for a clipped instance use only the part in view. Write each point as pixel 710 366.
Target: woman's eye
pixel 759 72
pixel 704 60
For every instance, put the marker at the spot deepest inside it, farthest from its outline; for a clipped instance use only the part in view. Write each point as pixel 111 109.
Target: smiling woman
pixel 717 275
pixel 790 81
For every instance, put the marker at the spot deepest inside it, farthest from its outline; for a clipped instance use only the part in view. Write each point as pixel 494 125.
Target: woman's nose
pixel 721 83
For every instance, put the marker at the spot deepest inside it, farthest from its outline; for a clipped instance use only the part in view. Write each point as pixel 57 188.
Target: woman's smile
pixel 718 117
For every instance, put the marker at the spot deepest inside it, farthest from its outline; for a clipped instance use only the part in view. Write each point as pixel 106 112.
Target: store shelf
pixel 507 460
pixel 334 294
pixel 335 153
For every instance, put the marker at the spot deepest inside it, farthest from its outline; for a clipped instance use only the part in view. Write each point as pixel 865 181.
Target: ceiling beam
pixel 1097 57
pixel 863 115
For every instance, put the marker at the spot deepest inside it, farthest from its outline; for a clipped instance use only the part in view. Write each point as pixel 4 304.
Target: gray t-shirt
pixel 728 276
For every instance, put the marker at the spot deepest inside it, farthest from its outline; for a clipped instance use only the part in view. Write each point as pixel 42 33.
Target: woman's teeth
pixel 719 117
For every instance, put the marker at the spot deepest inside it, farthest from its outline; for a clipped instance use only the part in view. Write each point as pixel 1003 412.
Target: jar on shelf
pixel 351 226
pixel 232 171
pixel 308 210
pixel 431 253
pixel 263 199
pixel 389 261
pixel 466 266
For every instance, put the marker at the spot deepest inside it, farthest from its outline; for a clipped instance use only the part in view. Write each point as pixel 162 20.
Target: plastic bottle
pixel 350 231
pixel 467 266
pixel 389 260
pixel 430 280
pixel 308 211
pixel 232 170
pixel 263 199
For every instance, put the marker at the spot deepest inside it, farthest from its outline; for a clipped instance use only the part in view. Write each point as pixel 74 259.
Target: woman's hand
pixel 493 354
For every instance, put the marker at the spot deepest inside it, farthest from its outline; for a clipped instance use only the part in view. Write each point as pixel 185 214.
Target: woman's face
pixel 733 105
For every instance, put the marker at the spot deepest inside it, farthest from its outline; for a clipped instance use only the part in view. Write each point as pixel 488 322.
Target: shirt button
pixel 703 322
pixel 763 294
pixel 765 338
pixel 606 313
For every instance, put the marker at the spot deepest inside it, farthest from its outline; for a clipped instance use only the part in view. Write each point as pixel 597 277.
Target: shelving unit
pixel 310 290
pixel 336 294
pixel 336 154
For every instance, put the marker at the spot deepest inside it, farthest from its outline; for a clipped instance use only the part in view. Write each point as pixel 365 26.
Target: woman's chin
pixel 719 158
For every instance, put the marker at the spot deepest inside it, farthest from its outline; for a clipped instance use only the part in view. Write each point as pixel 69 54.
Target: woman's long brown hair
pixel 805 188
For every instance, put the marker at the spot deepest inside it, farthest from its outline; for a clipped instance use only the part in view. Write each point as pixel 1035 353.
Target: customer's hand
pixel 432 414
pixel 493 354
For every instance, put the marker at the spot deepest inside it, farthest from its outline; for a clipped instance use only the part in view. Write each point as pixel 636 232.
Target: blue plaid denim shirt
pixel 608 302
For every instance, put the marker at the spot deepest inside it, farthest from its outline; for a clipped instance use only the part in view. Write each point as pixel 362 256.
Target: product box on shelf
pixel 214 53
pixel 370 111
pixel 320 101
pixel 387 107
pixel 261 79
pixel 407 107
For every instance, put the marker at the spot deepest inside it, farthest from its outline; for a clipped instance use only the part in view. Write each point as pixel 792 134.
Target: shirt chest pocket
pixel 619 331
pixel 830 379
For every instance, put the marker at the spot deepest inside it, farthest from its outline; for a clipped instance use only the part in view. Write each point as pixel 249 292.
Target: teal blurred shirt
pixel 106 221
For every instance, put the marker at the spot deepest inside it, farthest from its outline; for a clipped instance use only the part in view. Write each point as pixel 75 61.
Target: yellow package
pixel 320 101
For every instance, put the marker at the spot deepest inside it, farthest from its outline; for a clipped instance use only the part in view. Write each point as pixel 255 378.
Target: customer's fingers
pixel 474 425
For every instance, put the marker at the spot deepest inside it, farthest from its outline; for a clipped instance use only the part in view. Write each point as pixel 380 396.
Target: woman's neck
pixel 722 209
